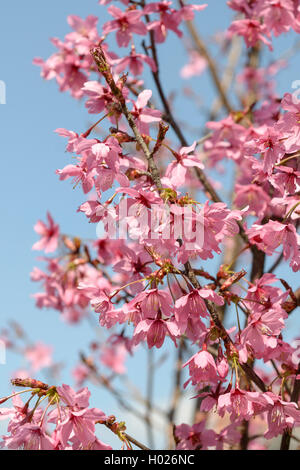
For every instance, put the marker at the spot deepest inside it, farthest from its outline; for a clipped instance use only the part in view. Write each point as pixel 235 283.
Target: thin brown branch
pixel 276 263
pixel 202 50
pixel 223 333
pixel 104 382
pixel 126 436
pixel 226 81
pixel 135 442
pixel 105 70
pixel 286 437
pixel 176 392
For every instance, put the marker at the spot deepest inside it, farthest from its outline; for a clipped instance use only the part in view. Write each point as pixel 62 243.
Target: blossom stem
pixel 237 379
pixel 169 286
pixel 288 215
pixel 238 319
pixel 126 285
pixel 14 395
pixel 288 159
pixel 45 410
pixel 58 409
pixel 87 133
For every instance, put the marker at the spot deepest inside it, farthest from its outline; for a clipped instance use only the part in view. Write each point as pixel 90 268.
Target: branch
pixel 225 336
pixel 286 437
pixel 135 442
pixel 201 48
pixel 226 81
pixel 114 427
pixel 276 263
pixel 106 384
pixel 176 392
pixel 104 69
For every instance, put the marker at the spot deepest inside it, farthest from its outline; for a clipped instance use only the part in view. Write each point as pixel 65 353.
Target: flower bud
pixel 30 383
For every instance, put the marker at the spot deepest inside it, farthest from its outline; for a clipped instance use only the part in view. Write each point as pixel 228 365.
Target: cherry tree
pixel 174 257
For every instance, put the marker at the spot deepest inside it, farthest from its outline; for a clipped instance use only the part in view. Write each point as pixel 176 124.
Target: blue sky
pixel 31 152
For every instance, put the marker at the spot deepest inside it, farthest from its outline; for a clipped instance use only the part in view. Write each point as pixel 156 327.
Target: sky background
pixel 31 152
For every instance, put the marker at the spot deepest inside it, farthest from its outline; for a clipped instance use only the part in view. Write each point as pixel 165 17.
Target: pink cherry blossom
pixel 253 197
pixel 263 329
pixel 176 171
pixel 125 23
pixel 280 416
pixel 80 373
pixel 135 63
pixel 278 15
pixel 196 66
pixel 49 235
pixel 270 146
pixel 77 419
pixel 194 437
pixel 144 115
pixel 288 125
pixel 168 19
pixel 71 65
pixel 39 355
pixel 251 30
pixel 202 368
pixel 193 304
pixel 30 437
pixel 271 235
pixel 286 180
pixel 155 331
pixel 240 404
pixel 153 301
pixel 114 356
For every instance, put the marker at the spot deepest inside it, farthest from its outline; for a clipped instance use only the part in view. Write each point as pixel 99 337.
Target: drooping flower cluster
pixel 66 423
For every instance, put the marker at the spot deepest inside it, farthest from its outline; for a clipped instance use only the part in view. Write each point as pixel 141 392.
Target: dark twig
pixel 176 391
pixel 286 437
pixel 126 436
pixel 201 48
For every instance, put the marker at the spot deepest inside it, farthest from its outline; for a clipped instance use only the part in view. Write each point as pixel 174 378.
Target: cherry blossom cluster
pixel 262 18
pixel 66 422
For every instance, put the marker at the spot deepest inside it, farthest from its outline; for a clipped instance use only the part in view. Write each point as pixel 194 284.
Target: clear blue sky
pixel 31 152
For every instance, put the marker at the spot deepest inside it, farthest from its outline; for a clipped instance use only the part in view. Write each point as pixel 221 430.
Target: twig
pixel 201 48
pixel 233 56
pixel 276 263
pixel 105 70
pixel 136 395
pixel 127 437
pixel 286 437
pixel 176 391
pixel 135 442
pixel 106 384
